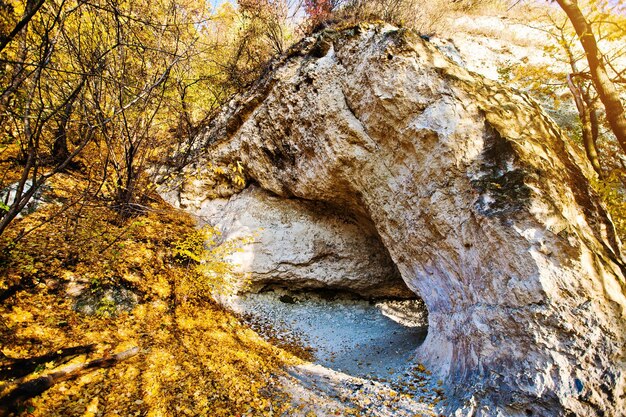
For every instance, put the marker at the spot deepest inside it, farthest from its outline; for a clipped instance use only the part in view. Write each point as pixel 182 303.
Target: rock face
pixel 302 244
pixel 484 208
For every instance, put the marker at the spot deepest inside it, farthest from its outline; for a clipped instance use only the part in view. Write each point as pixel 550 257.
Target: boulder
pixel 483 205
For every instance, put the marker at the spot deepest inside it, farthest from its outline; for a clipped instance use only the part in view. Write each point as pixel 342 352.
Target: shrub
pixel 207 256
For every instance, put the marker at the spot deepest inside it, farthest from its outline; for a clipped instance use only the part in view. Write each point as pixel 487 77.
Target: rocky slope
pixel 482 205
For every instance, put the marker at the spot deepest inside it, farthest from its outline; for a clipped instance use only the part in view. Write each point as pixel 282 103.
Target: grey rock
pixel 105 302
pixel 40 197
pixel 301 245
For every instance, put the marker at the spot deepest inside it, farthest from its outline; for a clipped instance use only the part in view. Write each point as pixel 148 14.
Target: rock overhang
pixel 483 205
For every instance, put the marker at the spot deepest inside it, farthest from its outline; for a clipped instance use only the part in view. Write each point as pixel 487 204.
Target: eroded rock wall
pixel 485 209
pixel 300 245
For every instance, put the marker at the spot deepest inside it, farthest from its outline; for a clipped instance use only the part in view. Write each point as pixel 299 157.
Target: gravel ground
pixel 362 352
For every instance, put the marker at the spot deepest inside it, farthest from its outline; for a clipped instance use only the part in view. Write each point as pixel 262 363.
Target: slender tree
pixel 99 77
pixel 32 7
pixel 608 94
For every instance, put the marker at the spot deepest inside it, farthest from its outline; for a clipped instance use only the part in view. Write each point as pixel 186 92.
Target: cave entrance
pixel 320 277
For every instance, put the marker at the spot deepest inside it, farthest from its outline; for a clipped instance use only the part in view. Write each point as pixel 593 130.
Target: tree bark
pixel 588 121
pixel 615 113
pixel 18 368
pixel 32 7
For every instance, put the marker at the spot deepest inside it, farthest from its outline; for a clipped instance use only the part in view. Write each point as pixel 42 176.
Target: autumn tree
pixel 40 89
pixel 320 10
pixel 422 15
pixel 10 30
pixel 262 32
pixel 104 84
pixel 568 69
pixel 129 92
pixel 580 87
pixel 607 92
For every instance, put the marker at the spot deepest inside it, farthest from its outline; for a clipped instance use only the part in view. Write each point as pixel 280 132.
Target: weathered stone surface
pixel 302 245
pixel 482 205
pixel 39 198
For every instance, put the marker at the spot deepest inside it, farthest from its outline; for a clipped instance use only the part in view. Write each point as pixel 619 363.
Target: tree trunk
pixel 32 7
pixel 60 152
pixel 607 92
pixel 588 121
pixel 18 368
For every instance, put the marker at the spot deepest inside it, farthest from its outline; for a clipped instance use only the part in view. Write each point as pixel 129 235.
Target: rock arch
pixel 485 209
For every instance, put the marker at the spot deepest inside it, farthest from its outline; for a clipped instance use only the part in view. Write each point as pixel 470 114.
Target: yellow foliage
pixel 611 192
pixel 195 359
pixel 228 175
pixel 208 258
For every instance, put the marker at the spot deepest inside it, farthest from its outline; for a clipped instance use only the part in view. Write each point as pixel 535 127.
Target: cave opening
pixel 320 278
pixel 363 329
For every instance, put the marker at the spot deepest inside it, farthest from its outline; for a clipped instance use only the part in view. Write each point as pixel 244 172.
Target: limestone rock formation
pixel 483 206
pixel 302 245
